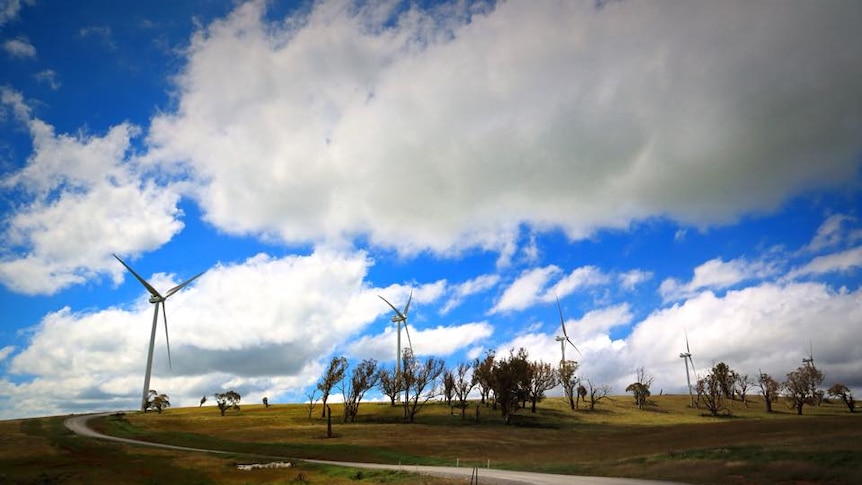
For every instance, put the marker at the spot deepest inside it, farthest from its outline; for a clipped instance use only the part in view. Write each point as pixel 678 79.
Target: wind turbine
pixel 156 299
pixel 565 338
pixel 399 318
pixel 809 362
pixel 686 356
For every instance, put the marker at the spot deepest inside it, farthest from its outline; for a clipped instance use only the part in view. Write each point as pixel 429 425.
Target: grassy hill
pixel 667 441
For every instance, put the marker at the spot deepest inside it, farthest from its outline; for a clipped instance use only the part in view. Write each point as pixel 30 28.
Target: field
pixel 666 441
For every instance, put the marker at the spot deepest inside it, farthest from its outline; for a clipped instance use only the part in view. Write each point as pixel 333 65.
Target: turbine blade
pixel 407 306
pixel 688 350
pixel 573 346
pixel 167 339
pixel 562 321
pixel 144 282
pixel 409 343
pixel 182 285
pixel 811 351
pixel 400 315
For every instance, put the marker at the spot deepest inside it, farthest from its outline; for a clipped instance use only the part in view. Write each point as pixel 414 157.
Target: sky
pixel 663 168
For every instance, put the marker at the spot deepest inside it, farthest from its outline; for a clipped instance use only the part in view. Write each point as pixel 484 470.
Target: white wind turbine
pixel 686 356
pixel 157 299
pixel 565 338
pixel 399 318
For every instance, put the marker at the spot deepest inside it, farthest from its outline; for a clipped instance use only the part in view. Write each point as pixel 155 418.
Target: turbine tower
pixel 156 299
pixel 565 338
pixel 686 356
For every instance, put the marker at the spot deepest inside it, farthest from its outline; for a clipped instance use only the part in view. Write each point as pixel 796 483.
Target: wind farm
pixel 311 185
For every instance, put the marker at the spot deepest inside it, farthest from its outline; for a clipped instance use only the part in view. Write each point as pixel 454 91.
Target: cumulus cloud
pixel 10 9
pixel 262 326
pixel 524 290
pixel 423 131
pixel 468 288
pixel 714 274
pixel 78 198
pixel 20 48
pixel 830 263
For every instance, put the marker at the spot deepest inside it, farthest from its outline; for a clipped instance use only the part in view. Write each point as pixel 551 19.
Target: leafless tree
pixel 448 387
pixel 483 375
pixel 203 400
pixel 312 399
pixel 598 393
pixel 843 392
pixel 333 375
pixel 389 384
pixel 769 388
pixel 743 385
pixel 569 381
pixel 543 378
pixel 801 386
pixel 420 382
pixel 227 400
pixel 362 379
pixel 464 383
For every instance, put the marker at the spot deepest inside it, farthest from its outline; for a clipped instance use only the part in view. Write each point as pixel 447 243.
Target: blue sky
pixel 661 168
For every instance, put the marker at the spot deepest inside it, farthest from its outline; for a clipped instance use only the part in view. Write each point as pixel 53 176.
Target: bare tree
pixel 843 392
pixel 596 394
pixel 333 375
pixel 543 378
pixel 768 389
pixel 312 399
pixel 420 382
pixel 362 379
pixel 510 379
pixel 569 381
pixel 227 400
pixel 640 388
pixel 203 400
pixel 157 401
pixel 448 387
pixel 389 384
pixel 801 386
pixel 483 375
pixel 464 383
pixel 743 385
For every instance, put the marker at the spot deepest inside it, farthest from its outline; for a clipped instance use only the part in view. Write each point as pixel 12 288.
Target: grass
pixel 666 441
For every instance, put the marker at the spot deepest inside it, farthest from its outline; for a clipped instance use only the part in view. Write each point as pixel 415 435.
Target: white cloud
pixel 830 263
pixel 6 351
pixel 79 198
pixel 9 9
pixel 714 274
pixel 524 290
pixel 833 232
pixel 20 48
pixel 49 77
pixel 630 279
pixel 303 150
pixel 583 277
pixel 468 288
pixel 439 341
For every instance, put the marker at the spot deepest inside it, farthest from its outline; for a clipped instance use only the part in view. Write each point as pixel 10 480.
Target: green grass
pixel 667 441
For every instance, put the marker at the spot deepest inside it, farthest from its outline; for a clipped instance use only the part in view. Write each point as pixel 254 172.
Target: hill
pixel 666 441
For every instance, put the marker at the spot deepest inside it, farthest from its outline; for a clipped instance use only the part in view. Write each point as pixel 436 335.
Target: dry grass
pixel 668 441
